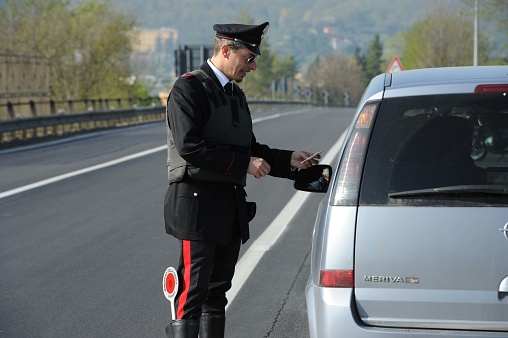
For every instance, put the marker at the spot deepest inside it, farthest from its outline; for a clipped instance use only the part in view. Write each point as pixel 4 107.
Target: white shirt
pixel 220 76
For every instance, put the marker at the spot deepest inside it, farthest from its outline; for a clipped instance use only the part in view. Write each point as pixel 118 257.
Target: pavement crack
pixel 286 297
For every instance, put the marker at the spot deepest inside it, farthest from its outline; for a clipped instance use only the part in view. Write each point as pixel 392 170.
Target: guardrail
pixel 31 108
pixel 35 129
pixel 22 131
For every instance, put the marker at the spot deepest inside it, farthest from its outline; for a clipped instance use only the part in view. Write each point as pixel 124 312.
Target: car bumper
pixel 332 314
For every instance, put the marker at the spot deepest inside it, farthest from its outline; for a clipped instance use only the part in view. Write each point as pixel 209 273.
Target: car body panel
pixel 332 315
pixel 399 282
pixel 335 231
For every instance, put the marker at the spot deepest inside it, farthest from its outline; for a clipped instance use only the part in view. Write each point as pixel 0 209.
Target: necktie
pixel 228 88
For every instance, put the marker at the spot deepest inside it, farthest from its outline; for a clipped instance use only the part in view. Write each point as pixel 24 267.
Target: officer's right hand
pixel 258 167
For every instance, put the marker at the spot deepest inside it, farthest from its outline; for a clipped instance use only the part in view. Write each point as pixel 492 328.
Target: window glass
pixel 438 150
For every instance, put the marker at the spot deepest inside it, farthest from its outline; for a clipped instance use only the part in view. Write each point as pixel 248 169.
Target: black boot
pixel 183 328
pixel 212 325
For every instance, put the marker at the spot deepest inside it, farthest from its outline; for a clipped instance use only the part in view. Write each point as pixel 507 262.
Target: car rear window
pixel 449 150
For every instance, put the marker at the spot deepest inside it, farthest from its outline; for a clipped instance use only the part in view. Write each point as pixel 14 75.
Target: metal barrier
pixel 22 131
pixel 25 109
pixel 35 129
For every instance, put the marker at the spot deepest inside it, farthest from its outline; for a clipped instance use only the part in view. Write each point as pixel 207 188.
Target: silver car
pixel 411 238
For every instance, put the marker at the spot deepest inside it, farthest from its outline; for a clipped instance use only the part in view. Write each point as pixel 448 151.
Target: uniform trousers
pixel 205 272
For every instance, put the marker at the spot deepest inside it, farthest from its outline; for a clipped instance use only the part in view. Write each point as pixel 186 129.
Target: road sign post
pixel 309 93
pixel 326 94
pixel 345 96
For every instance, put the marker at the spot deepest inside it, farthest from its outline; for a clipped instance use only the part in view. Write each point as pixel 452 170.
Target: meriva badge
pixel 391 279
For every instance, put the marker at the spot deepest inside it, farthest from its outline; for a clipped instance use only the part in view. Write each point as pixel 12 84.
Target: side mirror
pixel 313 179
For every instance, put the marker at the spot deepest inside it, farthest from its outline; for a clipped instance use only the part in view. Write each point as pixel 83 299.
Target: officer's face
pixel 241 61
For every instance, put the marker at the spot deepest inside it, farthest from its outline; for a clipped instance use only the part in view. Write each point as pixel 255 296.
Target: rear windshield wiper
pixel 456 189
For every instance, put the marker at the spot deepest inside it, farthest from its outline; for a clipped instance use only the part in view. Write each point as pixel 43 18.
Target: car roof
pixel 429 81
pixel 449 75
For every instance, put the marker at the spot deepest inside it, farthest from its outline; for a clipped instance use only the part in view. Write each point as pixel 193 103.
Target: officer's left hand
pixel 258 167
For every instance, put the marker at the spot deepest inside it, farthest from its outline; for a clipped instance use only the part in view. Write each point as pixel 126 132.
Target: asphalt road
pixel 82 242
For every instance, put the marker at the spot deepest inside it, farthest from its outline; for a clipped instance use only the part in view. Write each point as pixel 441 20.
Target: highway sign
pixel 395 65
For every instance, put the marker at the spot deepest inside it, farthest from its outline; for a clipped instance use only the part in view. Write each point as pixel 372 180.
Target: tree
pixel 373 59
pixel 336 74
pixel 370 63
pixel 496 13
pixel 360 58
pixel 88 46
pixel 312 78
pixel 102 51
pixel 257 83
pixel 284 70
pixel 442 39
pixel 270 67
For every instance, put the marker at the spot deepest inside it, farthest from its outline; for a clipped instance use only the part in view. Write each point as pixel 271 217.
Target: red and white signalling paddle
pixel 170 287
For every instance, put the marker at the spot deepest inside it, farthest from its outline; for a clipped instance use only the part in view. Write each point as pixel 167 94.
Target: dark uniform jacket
pixel 206 210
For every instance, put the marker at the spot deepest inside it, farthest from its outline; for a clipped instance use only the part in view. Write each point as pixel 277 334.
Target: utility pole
pixel 475 38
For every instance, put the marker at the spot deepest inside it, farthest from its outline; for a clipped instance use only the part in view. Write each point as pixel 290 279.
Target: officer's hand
pixel 258 167
pixel 300 156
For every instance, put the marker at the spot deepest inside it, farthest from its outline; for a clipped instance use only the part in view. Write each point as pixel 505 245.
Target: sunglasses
pixel 248 59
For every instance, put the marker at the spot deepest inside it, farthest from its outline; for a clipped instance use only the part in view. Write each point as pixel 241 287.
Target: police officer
pixel 211 149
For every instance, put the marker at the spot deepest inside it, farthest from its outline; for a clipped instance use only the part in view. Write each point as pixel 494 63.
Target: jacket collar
pixel 218 74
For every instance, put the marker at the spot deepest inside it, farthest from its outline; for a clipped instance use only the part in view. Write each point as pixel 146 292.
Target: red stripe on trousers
pixel 186 254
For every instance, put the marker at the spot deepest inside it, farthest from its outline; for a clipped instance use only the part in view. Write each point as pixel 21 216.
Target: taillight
pixel 350 168
pixel 336 278
pixel 366 116
pixel 492 89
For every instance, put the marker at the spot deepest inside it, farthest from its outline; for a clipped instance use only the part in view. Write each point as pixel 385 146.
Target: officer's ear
pixel 225 49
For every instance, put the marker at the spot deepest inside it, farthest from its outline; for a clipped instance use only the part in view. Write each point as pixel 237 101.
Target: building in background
pixel 158 60
pixel 153 51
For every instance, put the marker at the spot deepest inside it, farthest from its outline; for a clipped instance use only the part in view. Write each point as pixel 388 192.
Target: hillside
pixel 302 28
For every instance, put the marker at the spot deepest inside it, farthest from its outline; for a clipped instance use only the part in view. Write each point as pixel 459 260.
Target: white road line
pixel 274 116
pixel 269 237
pixel 78 172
